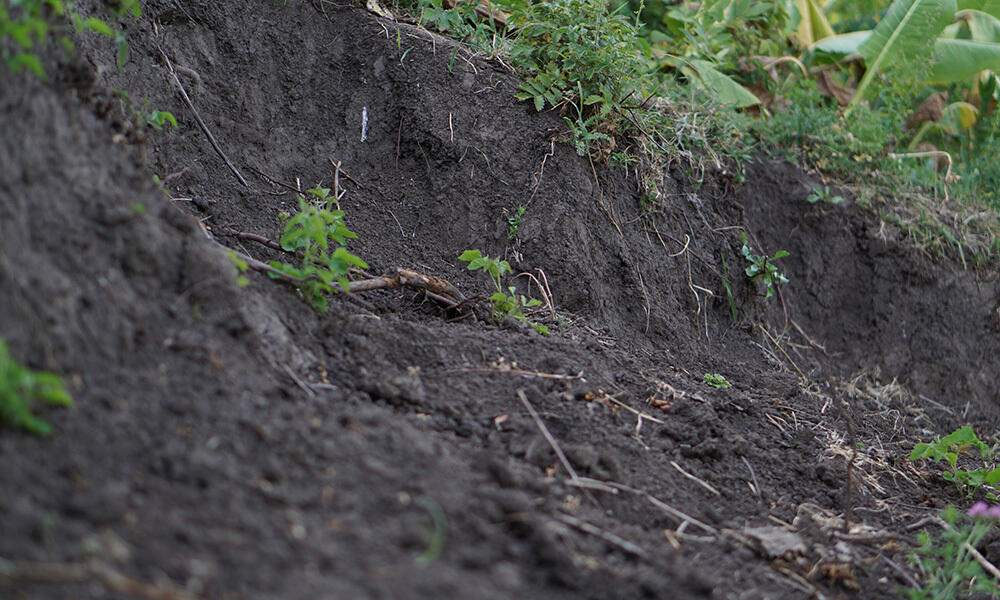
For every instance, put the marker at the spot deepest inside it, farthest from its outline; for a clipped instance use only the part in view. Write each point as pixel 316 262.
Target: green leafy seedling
pixel 21 389
pixel 717 381
pixel 507 303
pixel 158 118
pixel 762 268
pixel 514 222
pixel 311 234
pixel 822 194
pixel 962 441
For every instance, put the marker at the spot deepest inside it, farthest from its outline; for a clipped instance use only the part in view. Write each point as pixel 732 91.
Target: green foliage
pixel 158 118
pixel 950 571
pixel 714 44
pixel 904 35
pixel 576 51
pixel 21 389
pixel 822 194
pixel 506 303
pixel 762 268
pixel 317 234
pixel 514 222
pixel 962 442
pixel 27 24
pixel 717 381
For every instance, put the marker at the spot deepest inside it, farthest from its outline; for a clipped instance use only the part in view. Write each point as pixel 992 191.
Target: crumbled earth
pixel 228 442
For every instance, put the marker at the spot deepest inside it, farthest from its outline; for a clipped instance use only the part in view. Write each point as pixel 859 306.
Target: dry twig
pixel 201 123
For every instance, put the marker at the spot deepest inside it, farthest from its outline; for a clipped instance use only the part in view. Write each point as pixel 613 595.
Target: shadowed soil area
pixel 229 442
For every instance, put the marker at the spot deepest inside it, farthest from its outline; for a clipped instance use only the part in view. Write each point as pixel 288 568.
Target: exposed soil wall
pixel 230 443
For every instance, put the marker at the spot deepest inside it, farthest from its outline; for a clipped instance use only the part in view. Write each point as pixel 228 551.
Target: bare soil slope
pixel 230 443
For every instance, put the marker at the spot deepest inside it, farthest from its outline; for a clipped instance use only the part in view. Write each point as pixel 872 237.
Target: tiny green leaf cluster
pixel 762 268
pixel 21 388
pixel 717 381
pixel 506 304
pixel 822 194
pixel 317 234
pixel 950 571
pixel 158 118
pixel 962 441
pixel 514 222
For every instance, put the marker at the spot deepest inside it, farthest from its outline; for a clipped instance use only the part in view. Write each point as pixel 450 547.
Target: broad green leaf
pixel 813 25
pixel 908 27
pixel 469 255
pixel 921 451
pixel 987 6
pixel 959 116
pixel 720 86
pixel 844 44
pixel 959 60
pixel 984 27
pixel 992 477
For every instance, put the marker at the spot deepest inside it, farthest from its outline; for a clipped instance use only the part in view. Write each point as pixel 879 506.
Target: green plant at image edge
pixel 21 389
pixel 962 441
pixel 950 570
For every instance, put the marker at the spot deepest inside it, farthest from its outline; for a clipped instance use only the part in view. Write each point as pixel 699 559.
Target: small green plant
pixel 822 194
pixel 30 23
pixel 762 267
pixel 21 389
pixel 717 381
pixel 158 118
pixel 962 441
pixel 514 222
pixel 950 571
pixel 506 304
pixel 311 234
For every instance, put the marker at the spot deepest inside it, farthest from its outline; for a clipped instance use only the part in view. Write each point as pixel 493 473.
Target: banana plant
pixel 907 29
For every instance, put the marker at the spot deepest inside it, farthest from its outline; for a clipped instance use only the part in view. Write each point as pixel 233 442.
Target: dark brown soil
pixel 230 443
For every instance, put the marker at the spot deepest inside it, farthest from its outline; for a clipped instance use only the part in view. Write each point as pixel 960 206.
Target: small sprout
pixel 822 194
pixel 506 304
pixel 514 222
pixel 158 118
pixel 21 389
pixel 717 381
pixel 762 267
pixel 949 449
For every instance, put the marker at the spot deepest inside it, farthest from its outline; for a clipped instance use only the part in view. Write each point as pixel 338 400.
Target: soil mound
pixel 230 443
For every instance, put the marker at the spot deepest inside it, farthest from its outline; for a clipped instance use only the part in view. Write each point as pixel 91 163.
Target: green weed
pixel 21 389
pixel 963 442
pixel 822 194
pixel 507 303
pixel 717 381
pixel 26 25
pixel 950 571
pixel 514 222
pixel 317 234
pixel 762 268
pixel 158 118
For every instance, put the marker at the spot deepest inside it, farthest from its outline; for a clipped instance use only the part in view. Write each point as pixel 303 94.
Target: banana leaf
pixel 909 27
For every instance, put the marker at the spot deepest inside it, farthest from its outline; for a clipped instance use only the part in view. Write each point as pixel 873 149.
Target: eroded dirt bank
pixel 230 443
